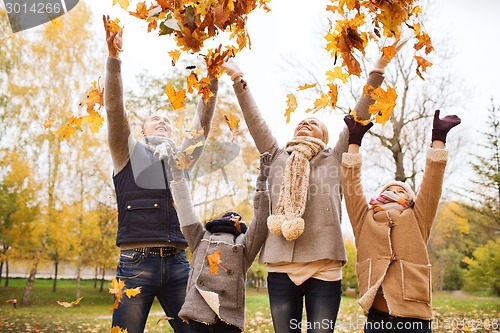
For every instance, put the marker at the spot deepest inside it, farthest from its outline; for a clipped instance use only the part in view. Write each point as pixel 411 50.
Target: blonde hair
pixel 322 126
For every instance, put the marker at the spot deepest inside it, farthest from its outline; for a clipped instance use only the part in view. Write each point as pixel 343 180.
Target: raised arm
pixel 118 126
pixel 261 133
pixel 429 194
pixel 257 231
pixel 355 200
pixel 375 79
pixel 202 120
pixel 190 223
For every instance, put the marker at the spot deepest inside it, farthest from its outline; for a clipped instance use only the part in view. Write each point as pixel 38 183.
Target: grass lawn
pixel 454 312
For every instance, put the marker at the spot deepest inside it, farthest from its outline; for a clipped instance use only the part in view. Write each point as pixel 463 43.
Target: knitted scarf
pixel 388 200
pixel 161 147
pixel 292 200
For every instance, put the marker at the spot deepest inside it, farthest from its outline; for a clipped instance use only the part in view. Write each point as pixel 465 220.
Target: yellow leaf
pixel 114 25
pixel 48 123
pixel 117 290
pixel 389 52
pixel 320 103
pixel 94 96
pixel 306 86
pixel 118 329
pixel 291 103
pixel 333 94
pixel 70 304
pixel 174 55
pixel 359 120
pixel 123 3
pixel 176 97
pixel 183 161
pixel 192 82
pixel 133 292
pixel 77 121
pixel 385 101
pixel 233 122
pixel 214 261
pixel 189 150
pixel 337 73
pixel 66 131
pixel 94 119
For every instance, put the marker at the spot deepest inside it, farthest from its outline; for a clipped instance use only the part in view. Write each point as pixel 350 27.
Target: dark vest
pixel 146 213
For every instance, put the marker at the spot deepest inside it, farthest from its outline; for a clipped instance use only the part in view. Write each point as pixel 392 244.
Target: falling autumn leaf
pixel 183 161
pixel 233 122
pixel 306 86
pixel 320 103
pixel 189 150
pixel 164 318
pixel 117 290
pixel 66 131
pixel 132 292
pixel 118 329
pixel 94 96
pixel 114 25
pixel 193 134
pixel 176 97
pixel 174 55
pixel 385 101
pixel 214 261
pixel 47 124
pixel 123 3
pixel 12 301
pixel 94 119
pixel 69 304
pixel 422 65
pixel 337 73
pixel 291 103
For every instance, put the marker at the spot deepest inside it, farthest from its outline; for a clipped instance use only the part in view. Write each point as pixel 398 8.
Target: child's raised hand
pixel 441 127
pixel 356 130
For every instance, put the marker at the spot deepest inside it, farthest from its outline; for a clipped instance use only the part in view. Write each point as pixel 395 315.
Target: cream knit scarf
pixel 161 147
pixel 287 220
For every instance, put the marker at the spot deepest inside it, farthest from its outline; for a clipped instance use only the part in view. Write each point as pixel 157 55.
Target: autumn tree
pixel 484 268
pixel 349 277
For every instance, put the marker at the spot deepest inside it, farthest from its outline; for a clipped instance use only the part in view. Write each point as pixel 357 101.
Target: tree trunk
pixel 102 279
pixel 7 272
pixel 78 279
pixel 56 273
pixel 95 276
pixel 29 284
pixel 1 271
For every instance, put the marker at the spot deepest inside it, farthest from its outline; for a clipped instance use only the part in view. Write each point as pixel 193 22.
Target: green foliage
pixel 257 274
pixel 349 277
pixel 483 271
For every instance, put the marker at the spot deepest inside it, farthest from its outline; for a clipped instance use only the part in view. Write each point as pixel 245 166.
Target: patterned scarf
pixel 160 146
pixel 292 200
pixel 388 200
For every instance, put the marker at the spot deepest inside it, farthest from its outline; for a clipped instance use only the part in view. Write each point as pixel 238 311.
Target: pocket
pixel 416 282
pixel 141 211
pixel 130 258
pixel 364 272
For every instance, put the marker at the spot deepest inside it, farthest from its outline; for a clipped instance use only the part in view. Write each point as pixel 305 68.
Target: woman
pixel 304 250
pixel 391 232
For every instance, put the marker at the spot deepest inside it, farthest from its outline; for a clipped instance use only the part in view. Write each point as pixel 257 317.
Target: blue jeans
pixel 161 277
pixel 382 322
pixel 322 299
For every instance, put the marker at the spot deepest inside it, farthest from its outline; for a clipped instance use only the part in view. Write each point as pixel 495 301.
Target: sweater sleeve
pixel 355 200
pixel 429 194
pixel 190 223
pixel 202 120
pixel 118 126
pixel 257 231
pixel 375 79
pixel 261 134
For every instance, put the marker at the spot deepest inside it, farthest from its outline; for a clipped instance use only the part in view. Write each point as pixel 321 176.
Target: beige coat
pixel 322 237
pixel 392 245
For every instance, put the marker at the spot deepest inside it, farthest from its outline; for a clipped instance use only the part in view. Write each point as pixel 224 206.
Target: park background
pixel 57 208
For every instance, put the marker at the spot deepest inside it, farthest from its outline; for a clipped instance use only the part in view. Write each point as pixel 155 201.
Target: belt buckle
pixel 166 251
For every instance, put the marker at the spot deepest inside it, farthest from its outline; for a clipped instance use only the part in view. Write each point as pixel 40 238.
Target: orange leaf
pixel 337 73
pixel 214 261
pixel 320 103
pixel 422 65
pixel 389 52
pixel 333 94
pixel 141 11
pixel 94 119
pixel 306 86
pixel 70 304
pixel 118 329
pixel 174 55
pixel 291 103
pixel 117 290
pixel 48 123
pixel 123 3
pixel 133 292
pixel 192 82
pixel 176 97
pixel 233 122
pixel 114 25
pixel 66 131
pixel 94 96
pixel 183 161
pixel 385 101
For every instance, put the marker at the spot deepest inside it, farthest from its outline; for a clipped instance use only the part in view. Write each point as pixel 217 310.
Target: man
pixel 151 244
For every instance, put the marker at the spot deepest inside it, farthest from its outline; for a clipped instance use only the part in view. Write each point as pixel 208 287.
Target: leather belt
pixel 159 251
